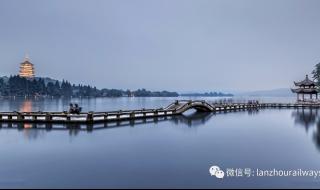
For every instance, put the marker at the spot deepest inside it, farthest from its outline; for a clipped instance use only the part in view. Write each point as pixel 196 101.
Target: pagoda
pixel 26 69
pixel 305 88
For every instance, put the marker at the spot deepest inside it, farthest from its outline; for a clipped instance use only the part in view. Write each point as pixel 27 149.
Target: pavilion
pixel 305 88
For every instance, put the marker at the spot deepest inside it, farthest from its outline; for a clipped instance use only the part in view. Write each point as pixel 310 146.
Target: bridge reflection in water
pixel 192 120
pixel 34 130
pixel 307 118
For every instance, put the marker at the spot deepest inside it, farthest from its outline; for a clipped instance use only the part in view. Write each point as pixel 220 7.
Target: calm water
pixel 169 152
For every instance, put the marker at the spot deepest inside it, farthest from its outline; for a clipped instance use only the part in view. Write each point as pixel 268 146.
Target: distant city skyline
pixel 184 46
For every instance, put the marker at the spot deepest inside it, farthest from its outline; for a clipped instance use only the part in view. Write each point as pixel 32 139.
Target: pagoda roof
pixel 27 62
pixel 305 90
pixel 305 82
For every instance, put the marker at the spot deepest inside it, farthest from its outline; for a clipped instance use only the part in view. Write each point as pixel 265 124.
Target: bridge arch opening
pixel 202 109
pixel 198 108
pixel 190 111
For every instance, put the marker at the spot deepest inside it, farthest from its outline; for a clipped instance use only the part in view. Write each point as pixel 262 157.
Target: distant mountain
pixel 282 92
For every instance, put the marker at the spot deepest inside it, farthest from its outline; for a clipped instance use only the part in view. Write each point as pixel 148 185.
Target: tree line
pixel 208 94
pixel 19 86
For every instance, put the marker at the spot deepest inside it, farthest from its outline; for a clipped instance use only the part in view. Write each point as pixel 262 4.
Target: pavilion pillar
pixel 317 96
pixel 311 96
pixel 302 97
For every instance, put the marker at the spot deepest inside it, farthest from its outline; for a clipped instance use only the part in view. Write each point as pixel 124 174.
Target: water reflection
pixel 309 118
pixel 29 130
pixel 192 120
pixel 33 134
pixel 253 111
pixel 316 138
pixel 306 118
pixel 34 131
pixel 26 106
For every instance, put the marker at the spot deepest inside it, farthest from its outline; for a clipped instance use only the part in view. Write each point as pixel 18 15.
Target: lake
pixel 174 152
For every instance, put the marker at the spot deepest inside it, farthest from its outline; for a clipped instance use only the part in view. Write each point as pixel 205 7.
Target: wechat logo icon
pixel 216 171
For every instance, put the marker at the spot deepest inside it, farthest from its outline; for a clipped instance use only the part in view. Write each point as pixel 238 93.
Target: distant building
pixel 305 88
pixel 27 69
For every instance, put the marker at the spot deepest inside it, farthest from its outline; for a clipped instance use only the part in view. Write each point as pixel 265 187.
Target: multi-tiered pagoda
pixel 304 89
pixel 27 69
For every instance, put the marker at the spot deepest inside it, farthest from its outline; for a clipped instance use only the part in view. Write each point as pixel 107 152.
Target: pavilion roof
pixel 306 82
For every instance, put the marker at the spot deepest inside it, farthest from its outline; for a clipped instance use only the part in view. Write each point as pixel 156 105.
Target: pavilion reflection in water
pixel 309 118
pixel 306 118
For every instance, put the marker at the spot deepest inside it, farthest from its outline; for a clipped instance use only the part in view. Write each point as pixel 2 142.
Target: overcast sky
pixel 197 45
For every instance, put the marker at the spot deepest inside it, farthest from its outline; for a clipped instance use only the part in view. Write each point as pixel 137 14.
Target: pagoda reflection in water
pixel 26 107
pixel 29 132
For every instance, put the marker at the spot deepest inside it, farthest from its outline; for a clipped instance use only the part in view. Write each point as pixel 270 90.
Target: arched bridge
pixel 185 105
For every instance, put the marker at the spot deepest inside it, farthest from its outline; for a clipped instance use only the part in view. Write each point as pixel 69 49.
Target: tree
pixel 316 73
pixel 2 87
pixel 50 89
pixel 57 89
pixel 66 89
pixel 42 87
